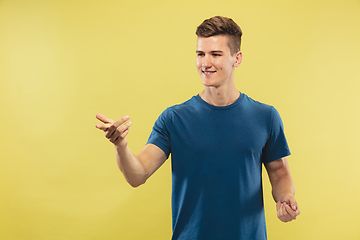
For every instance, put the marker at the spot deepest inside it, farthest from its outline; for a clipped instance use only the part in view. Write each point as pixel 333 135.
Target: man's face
pixel 214 61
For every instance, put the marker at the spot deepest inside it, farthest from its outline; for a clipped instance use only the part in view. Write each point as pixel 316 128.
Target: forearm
pixel 131 167
pixel 136 169
pixel 282 186
pixel 283 189
pixel 280 178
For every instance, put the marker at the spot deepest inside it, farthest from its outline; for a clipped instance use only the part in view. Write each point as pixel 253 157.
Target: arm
pixel 283 189
pixel 136 168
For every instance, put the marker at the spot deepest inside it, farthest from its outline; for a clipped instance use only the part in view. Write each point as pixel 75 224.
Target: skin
pixel 135 168
pixel 216 66
pixel 283 189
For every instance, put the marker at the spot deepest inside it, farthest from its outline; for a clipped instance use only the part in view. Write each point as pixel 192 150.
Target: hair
pixel 221 26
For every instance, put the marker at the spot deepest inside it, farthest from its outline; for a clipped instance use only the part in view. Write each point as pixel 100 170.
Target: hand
pixel 287 208
pixel 115 131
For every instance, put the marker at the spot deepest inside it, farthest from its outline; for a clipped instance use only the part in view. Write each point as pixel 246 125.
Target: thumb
pixel 293 204
pixel 102 126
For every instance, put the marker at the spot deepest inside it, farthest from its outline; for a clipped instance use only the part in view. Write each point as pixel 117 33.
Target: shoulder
pixel 186 107
pixel 258 107
pixel 261 112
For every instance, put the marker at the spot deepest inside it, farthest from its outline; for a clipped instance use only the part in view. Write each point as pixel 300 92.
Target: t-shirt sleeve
pixel 276 147
pixel 160 135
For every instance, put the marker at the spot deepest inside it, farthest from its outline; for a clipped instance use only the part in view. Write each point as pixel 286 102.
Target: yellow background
pixel 61 62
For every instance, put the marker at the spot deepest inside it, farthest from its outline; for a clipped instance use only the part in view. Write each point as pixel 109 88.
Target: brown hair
pixel 221 26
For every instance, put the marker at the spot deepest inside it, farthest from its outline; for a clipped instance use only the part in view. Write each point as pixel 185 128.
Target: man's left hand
pixel 287 208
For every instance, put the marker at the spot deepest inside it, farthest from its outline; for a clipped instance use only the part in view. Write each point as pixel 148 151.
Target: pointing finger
pixel 104 119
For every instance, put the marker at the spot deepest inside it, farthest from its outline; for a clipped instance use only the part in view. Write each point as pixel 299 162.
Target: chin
pixel 209 84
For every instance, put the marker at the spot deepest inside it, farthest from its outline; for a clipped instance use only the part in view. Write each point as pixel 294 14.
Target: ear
pixel 238 59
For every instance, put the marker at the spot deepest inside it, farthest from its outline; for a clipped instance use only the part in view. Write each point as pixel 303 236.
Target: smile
pixel 208 72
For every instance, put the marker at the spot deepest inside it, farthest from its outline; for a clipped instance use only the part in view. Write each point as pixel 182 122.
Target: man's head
pixel 222 26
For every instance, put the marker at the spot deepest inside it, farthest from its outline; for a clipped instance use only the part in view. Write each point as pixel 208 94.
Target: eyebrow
pixel 215 51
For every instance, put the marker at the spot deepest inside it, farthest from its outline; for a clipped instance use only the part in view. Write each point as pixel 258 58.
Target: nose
pixel 206 62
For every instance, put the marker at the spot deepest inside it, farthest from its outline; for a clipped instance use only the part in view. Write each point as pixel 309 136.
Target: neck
pixel 220 96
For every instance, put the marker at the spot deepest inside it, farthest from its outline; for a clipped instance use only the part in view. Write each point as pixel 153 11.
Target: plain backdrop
pixel 61 62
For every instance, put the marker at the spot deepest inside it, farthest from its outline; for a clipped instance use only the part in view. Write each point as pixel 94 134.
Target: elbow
pixel 136 182
pixel 134 179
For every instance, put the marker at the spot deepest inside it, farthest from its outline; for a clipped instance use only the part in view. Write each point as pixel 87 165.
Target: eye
pixel 201 54
pixel 216 55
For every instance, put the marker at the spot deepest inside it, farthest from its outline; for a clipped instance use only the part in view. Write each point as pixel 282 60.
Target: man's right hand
pixel 115 131
pixel 136 169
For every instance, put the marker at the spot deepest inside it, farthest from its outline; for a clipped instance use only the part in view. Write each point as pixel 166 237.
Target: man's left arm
pixel 283 189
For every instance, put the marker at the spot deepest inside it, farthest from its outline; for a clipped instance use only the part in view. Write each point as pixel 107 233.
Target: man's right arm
pixel 136 168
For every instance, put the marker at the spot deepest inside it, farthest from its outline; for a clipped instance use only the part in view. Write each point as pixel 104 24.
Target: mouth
pixel 208 72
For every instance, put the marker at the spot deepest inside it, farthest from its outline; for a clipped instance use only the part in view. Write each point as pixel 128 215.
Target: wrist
pixel 282 197
pixel 120 149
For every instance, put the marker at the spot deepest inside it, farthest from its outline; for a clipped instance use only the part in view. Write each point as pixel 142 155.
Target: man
pixel 218 141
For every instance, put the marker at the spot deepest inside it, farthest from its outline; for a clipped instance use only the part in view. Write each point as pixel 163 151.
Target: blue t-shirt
pixel 217 155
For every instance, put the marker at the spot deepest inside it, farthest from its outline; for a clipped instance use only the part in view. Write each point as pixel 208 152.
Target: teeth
pixel 206 72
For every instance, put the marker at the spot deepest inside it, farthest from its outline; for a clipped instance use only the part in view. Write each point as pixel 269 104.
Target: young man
pixel 218 141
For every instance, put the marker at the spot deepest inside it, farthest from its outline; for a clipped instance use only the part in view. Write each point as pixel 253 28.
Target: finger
pixel 278 205
pixel 115 126
pixel 121 121
pixel 125 133
pixel 122 136
pixel 281 211
pixel 120 132
pixel 102 126
pixel 283 215
pixel 290 211
pixel 104 119
pixel 293 204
